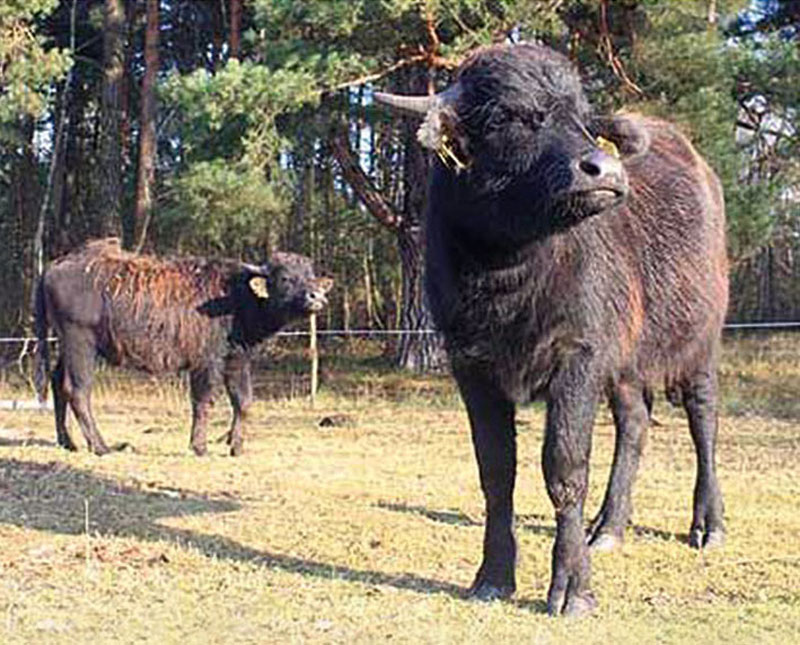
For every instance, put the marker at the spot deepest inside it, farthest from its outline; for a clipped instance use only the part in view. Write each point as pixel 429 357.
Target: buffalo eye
pixel 533 119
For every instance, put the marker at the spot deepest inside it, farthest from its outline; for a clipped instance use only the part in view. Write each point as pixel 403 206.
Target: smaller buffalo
pixel 164 315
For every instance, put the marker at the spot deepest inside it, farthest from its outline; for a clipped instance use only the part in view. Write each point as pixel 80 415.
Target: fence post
pixel 312 350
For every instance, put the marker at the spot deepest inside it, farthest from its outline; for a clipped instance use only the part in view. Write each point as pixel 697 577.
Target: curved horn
pixel 417 105
pixel 255 269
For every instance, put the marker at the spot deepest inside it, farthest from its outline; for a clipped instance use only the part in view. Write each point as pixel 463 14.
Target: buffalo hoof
pixel 714 540
pixel 604 542
pixel 603 534
pixel 200 451
pixel 68 445
pixel 579 605
pixel 487 592
pixel 711 540
pixel 236 449
pixel 225 438
pixel 100 450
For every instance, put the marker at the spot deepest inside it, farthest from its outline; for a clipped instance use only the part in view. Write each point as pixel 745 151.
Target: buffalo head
pixel 288 282
pixel 515 126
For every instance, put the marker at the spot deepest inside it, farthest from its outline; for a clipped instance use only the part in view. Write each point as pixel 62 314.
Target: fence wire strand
pixel 422 332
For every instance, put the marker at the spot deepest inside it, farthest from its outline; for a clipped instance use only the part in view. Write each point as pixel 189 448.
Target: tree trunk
pixel 17 230
pixel 145 184
pixel 236 28
pixel 55 184
pixel 712 13
pixel 218 36
pixel 418 349
pixel 125 97
pixel 108 208
pixel 766 291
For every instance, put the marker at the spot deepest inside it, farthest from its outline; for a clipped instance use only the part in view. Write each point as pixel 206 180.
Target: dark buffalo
pixel 570 258
pixel 194 314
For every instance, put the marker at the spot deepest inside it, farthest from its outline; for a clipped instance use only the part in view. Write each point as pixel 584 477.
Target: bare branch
pixel 612 59
pixel 358 180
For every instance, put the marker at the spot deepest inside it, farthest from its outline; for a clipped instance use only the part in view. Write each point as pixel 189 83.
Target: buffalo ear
pixel 441 133
pixel 256 277
pixel 258 285
pixel 215 307
pixel 626 131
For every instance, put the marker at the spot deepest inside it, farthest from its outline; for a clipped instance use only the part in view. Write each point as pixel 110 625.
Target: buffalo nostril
pixel 315 299
pixel 597 164
pixel 590 168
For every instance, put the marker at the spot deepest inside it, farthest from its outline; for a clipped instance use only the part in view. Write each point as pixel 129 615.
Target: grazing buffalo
pixel 575 259
pixel 195 314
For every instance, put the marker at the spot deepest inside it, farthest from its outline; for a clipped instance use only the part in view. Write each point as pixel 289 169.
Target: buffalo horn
pixel 255 269
pixel 418 105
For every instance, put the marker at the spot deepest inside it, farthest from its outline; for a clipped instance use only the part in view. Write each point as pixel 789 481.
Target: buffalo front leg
pixel 571 408
pixel 629 407
pixel 201 390
pixel 239 385
pixel 700 402
pixel 491 418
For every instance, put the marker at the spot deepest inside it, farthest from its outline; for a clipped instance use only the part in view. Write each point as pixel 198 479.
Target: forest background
pixel 237 127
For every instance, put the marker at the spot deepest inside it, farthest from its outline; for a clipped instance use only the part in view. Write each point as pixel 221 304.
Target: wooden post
pixel 312 350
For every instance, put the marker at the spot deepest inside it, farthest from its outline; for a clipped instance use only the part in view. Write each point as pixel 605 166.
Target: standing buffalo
pixel 194 314
pixel 570 258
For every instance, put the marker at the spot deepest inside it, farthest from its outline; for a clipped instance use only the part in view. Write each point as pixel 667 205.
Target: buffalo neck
pixel 258 321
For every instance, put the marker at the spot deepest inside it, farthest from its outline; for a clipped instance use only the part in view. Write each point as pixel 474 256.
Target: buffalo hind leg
pixel 491 418
pixel 58 383
pixel 630 406
pixel 239 386
pixel 571 406
pixel 81 403
pixel 79 354
pixel 700 402
pixel 201 392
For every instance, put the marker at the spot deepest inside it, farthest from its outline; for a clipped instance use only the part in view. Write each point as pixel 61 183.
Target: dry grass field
pixel 370 530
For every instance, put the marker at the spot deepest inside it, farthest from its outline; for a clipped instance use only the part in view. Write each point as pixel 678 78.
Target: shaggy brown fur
pixel 150 307
pixel 164 315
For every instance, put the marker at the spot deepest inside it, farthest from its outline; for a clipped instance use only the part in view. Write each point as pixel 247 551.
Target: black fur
pixel 556 272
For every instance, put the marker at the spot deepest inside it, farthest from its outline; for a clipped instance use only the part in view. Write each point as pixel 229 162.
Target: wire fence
pixel 744 326
pixel 759 371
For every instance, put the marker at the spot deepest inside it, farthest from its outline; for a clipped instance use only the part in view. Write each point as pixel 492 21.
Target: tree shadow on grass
pixel 52 497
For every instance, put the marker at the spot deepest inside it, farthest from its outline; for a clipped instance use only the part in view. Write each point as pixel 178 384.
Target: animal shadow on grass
pixel 535 523
pixel 51 497
pixel 24 442
pixel 530 523
pixel 647 532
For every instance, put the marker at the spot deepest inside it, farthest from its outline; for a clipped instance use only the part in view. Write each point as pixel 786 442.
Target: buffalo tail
pixel 41 375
